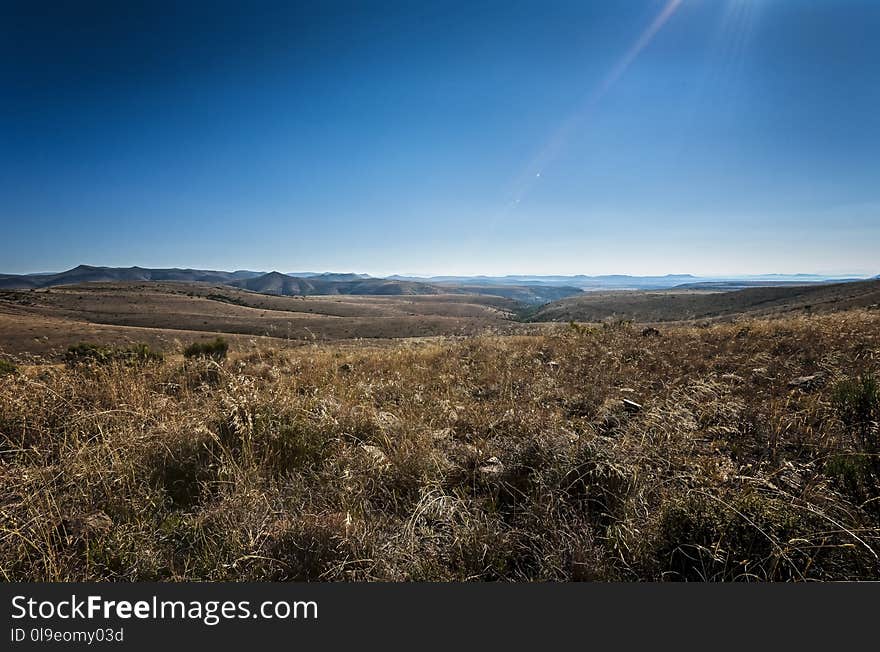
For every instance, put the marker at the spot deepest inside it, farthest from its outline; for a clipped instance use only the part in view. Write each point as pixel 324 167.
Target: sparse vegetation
pixel 215 349
pixel 483 458
pixel 164 313
pixel 7 367
pixel 91 354
pixel 223 298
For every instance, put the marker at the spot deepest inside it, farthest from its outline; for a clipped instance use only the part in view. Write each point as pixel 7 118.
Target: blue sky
pixel 639 137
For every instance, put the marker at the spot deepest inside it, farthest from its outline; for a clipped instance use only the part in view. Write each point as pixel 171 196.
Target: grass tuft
pixel 215 349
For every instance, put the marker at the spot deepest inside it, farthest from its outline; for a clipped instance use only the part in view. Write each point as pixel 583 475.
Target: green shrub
pixel 279 442
pixel 142 353
pixel 858 474
pixel 751 537
pixel 7 368
pixel 215 349
pixel 858 406
pixel 304 550
pixel 182 468
pixel 853 475
pixel 86 353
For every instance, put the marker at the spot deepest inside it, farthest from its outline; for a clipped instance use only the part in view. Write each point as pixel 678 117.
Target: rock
pixel 375 455
pixel 572 436
pixel 650 332
pixel 491 466
pixel 631 406
pixel 806 383
pixel 791 477
pixel 486 392
pixel 87 527
pixel 386 419
pixel 443 433
pixel 471 450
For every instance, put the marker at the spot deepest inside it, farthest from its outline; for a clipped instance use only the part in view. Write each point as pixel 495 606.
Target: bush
pixel 753 536
pixel 142 353
pixel 7 368
pixel 181 468
pixel 858 405
pixel 86 353
pixel 215 349
pixel 853 474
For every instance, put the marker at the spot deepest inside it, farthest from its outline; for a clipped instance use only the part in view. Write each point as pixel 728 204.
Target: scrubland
pixel 744 451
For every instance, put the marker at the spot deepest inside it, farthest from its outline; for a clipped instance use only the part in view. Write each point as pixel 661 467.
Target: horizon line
pixel 712 275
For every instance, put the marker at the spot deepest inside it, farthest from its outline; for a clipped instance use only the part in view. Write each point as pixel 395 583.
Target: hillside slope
pixel 685 305
pixel 331 285
pixel 278 283
pixel 46 321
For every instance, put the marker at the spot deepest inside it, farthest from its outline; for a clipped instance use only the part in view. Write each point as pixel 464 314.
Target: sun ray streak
pixel 557 141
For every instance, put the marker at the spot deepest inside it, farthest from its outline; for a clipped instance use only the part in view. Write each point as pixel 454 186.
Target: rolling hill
pixel 45 321
pixel 330 284
pixel 278 283
pixel 680 305
pixel 674 296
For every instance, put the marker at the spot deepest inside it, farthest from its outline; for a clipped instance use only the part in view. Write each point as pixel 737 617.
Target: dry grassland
pixel 747 451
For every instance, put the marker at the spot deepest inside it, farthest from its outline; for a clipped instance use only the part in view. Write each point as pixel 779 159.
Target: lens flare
pixel 555 143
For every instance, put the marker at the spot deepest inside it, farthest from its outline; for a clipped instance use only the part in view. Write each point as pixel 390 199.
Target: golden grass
pixel 481 458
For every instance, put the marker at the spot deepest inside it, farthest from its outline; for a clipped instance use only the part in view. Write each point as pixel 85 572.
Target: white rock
pixel 491 466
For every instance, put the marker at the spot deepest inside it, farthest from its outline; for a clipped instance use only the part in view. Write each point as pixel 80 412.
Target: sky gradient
pixel 640 137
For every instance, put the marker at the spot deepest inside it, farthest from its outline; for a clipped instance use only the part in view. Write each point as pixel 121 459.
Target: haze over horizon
pixel 512 274
pixel 720 138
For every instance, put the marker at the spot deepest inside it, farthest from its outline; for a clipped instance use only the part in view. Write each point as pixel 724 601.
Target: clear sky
pixel 637 137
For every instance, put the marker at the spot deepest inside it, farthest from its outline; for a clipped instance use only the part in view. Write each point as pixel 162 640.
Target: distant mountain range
pixel 329 276
pixel 580 281
pixel 522 288
pixel 90 274
pixel 626 282
pixel 306 284
pixel 324 284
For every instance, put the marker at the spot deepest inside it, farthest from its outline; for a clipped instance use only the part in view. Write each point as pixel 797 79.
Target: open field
pixel 46 321
pixel 748 451
pixel 166 315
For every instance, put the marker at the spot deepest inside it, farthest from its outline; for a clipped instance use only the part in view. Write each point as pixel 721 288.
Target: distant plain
pixel 165 314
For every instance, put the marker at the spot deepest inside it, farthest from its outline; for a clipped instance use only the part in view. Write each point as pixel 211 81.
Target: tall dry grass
pixel 486 458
